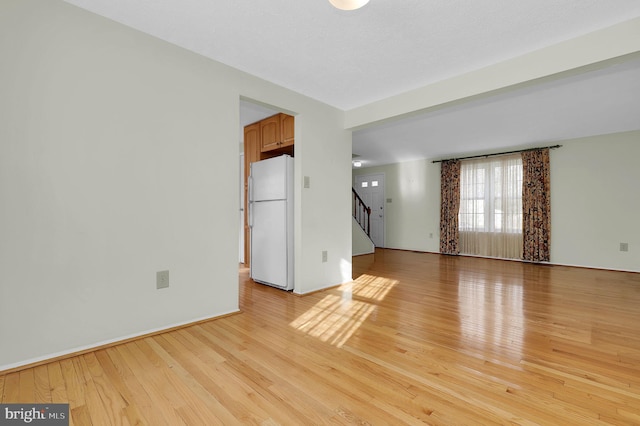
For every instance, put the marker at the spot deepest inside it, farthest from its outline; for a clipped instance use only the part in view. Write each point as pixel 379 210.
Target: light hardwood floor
pixel 416 338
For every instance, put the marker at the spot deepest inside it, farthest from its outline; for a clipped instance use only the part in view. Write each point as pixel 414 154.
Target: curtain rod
pixel 498 153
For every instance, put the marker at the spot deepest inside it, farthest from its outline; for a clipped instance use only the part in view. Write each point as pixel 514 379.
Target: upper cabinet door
pixel 288 129
pixel 271 134
pixel 251 145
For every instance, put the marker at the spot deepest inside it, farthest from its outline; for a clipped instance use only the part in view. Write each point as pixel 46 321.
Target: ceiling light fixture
pixel 348 4
pixel 357 164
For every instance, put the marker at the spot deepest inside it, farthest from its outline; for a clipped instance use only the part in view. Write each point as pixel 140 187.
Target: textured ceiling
pixel 349 59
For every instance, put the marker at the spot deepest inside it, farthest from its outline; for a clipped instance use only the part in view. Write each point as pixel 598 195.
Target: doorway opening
pixel 265 132
pixel 371 189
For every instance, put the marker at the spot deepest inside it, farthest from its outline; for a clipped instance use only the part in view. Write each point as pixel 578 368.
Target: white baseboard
pixel 110 342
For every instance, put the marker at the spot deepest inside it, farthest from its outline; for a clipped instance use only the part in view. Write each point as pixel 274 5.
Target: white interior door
pixel 371 190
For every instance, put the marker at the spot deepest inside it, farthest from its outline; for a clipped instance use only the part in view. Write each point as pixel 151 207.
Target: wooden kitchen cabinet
pixel 287 129
pixel 276 132
pixel 270 133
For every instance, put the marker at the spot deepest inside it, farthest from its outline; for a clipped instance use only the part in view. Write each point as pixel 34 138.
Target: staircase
pixel 361 229
pixel 361 213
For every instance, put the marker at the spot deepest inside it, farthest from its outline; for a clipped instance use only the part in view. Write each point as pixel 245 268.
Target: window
pixel 490 215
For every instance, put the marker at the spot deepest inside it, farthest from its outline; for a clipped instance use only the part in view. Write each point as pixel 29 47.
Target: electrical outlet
pixel 624 246
pixel 430 234
pixel 324 256
pixel 306 180
pixel 162 279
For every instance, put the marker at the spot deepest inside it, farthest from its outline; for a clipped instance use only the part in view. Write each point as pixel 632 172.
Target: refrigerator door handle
pixel 250 204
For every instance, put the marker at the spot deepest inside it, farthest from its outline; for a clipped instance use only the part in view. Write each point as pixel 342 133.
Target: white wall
pixel 594 202
pixel 412 218
pixel 116 155
pixel 325 217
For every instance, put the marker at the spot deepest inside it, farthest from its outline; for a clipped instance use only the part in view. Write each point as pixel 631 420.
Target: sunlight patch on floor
pixel 335 318
pixel 370 287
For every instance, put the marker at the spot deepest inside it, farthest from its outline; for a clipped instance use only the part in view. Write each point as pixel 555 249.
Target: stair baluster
pixel 362 213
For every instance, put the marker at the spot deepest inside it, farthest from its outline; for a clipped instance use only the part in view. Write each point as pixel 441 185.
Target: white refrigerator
pixel 271 221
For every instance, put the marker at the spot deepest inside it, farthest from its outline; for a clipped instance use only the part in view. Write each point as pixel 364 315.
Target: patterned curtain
pixel 449 206
pixel 536 205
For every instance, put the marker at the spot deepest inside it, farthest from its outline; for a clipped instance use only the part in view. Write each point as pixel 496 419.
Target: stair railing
pixel 362 213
